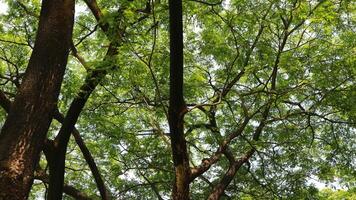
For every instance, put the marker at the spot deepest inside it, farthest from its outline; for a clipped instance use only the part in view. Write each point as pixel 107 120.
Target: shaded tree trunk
pixel 177 107
pixel 26 126
pixel 56 153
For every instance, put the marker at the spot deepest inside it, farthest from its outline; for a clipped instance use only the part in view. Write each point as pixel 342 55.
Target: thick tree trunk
pixel 25 128
pixel 177 107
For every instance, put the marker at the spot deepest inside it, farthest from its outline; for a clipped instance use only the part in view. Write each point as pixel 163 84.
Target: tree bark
pixel 177 107
pixel 26 126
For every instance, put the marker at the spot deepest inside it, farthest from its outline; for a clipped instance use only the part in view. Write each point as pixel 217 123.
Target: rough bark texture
pixel 25 128
pixel 177 106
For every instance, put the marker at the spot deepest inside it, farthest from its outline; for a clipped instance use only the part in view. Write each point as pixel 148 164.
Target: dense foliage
pixel 270 80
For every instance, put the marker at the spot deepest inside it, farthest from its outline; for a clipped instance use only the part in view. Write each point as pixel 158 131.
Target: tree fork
pixel 56 153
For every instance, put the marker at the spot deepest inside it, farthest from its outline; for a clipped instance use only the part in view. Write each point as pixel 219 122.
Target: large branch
pixel 287 22
pixel 235 166
pixel 208 162
pixel 93 6
pixel 229 85
pixel 219 189
pixel 57 152
pixel 87 156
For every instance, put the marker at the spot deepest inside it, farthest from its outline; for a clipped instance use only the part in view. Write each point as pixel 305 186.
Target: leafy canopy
pixel 285 67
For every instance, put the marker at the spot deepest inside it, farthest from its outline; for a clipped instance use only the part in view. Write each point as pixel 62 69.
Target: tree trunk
pixel 26 126
pixel 177 107
pixel 56 153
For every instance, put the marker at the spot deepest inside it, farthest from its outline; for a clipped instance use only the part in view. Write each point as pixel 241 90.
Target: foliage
pixel 309 130
pixel 339 194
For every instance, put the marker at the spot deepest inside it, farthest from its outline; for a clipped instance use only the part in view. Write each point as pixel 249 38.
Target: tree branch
pixel 5 103
pixel 93 6
pixel 87 156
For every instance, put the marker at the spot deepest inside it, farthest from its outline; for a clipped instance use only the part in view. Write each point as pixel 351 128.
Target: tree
pixel 260 105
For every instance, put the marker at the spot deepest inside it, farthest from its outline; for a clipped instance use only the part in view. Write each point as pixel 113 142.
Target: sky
pixel 3 7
